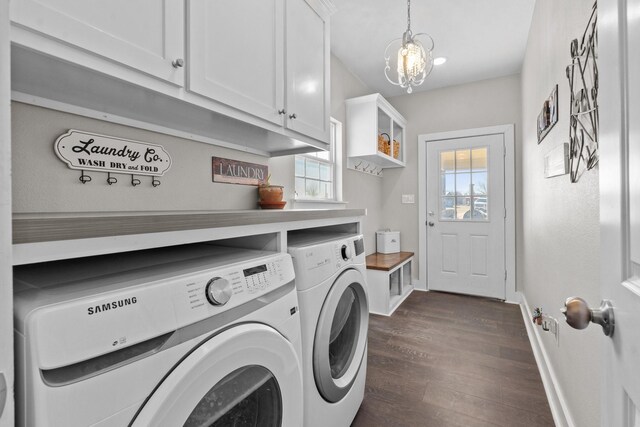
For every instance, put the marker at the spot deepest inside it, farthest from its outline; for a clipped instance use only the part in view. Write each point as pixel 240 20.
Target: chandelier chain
pixel 408 15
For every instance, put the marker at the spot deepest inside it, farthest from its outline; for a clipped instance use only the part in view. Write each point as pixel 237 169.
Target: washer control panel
pixel 221 289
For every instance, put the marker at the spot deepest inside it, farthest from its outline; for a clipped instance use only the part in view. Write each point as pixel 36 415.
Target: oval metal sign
pixel 89 151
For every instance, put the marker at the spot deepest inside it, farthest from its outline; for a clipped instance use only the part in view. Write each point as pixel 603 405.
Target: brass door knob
pixel 579 315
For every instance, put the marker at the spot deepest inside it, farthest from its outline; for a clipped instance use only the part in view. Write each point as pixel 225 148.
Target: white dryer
pixel 332 292
pixel 197 336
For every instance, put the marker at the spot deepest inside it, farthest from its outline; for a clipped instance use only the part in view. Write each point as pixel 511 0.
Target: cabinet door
pixel 308 68
pixel 147 35
pixel 236 54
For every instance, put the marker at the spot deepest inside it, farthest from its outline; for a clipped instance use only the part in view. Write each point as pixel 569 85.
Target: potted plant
pixel 270 195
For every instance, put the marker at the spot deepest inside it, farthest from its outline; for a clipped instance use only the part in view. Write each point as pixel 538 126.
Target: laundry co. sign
pixel 90 151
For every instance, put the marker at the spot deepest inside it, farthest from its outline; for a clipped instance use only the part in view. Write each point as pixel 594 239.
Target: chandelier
pixel 414 58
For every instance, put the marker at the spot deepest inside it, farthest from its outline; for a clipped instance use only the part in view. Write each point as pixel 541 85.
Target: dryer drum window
pixel 344 333
pixel 247 397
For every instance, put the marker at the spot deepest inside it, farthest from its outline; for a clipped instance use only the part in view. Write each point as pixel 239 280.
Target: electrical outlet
pixel 408 199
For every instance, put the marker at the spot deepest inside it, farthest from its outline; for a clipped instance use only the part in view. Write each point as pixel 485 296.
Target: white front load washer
pixel 330 279
pixel 192 336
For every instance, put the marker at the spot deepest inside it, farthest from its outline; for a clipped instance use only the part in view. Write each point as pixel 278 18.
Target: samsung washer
pixel 192 336
pixel 330 279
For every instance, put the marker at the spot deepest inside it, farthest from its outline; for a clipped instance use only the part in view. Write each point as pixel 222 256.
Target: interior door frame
pixel 508 134
pixel 6 279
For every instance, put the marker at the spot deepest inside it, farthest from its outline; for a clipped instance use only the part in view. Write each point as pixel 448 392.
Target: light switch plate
pixel 408 198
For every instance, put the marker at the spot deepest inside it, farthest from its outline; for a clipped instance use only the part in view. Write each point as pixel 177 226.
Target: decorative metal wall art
pixel 86 151
pixel 548 117
pixel 583 85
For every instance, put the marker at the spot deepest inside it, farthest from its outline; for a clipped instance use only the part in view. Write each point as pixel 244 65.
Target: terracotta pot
pixel 270 193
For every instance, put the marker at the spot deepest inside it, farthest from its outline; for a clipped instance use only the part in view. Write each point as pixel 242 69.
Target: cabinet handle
pixel 293 116
pixel 178 63
pixel 283 111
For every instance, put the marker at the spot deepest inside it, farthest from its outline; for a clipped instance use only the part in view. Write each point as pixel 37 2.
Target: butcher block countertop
pixel 387 262
pixel 49 236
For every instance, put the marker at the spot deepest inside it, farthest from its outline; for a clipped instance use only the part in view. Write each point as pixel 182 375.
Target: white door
pixel 466 215
pixel 619 43
pixel 6 281
pixel 308 69
pixel 147 35
pixel 236 54
pixel 247 375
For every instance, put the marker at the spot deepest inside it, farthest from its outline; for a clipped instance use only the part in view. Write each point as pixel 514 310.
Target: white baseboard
pixel 558 404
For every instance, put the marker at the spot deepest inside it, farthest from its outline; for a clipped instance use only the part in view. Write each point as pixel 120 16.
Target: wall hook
pixel 134 181
pixel 155 182
pixel 111 179
pixel 84 178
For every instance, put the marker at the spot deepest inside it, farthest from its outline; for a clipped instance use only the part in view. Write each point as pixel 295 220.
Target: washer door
pixel 248 375
pixel 341 336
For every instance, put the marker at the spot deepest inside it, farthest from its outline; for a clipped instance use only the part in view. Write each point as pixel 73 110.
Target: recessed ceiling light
pixel 439 61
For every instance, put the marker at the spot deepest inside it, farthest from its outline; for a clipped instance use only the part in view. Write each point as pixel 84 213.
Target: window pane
pixel 479 159
pixel 463 160
pixel 447 208
pixel 480 208
pixel 479 183
pixel 448 184
pixel 312 188
pixel 326 190
pixel 300 191
pixel 325 172
pixel 313 169
pixel 299 166
pixel 463 205
pixel 447 161
pixel 463 184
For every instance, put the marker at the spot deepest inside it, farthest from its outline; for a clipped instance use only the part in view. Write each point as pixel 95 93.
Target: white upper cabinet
pixel 307 58
pixel 246 74
pixel 236 57
pixel 272 63
pixel 146 35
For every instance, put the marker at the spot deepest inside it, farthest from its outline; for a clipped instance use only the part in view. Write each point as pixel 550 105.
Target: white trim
pixel 557 402
pixel 6 279
pixel 510 202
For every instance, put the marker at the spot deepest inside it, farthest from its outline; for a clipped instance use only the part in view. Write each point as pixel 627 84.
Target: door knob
pixel 431 224
pixel 178 63
pixel 293 116
pixel 579 315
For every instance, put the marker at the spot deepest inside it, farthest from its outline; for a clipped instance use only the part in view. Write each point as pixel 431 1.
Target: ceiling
pixel 481 39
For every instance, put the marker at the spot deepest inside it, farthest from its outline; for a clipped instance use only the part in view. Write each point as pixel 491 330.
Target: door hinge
pixel 505 275
pixel 504 151
pixel 505 213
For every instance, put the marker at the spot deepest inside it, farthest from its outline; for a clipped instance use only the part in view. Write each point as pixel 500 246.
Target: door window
pixel 464 192
pixel 247 397
pixel 344 333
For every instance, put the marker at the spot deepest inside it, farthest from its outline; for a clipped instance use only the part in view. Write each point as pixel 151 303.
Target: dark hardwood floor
pixel 452 360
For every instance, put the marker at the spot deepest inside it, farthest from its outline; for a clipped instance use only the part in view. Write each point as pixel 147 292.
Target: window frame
pixel 335 162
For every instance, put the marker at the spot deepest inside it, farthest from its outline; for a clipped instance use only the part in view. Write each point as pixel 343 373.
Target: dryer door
pixel 341 336
pixel 248 375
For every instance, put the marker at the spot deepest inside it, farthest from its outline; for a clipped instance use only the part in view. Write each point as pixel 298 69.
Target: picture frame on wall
pixel 548 117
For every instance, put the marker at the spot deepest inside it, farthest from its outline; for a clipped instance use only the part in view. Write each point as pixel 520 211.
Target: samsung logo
pixel 111 305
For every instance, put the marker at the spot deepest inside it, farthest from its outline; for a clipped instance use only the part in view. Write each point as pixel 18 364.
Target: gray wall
pixel 474 105
pixel 560 221
pixel 359 190
pixel 43 183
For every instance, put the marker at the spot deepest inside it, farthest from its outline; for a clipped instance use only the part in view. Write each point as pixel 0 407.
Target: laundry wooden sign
pixel 237 172
pixel 89 151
